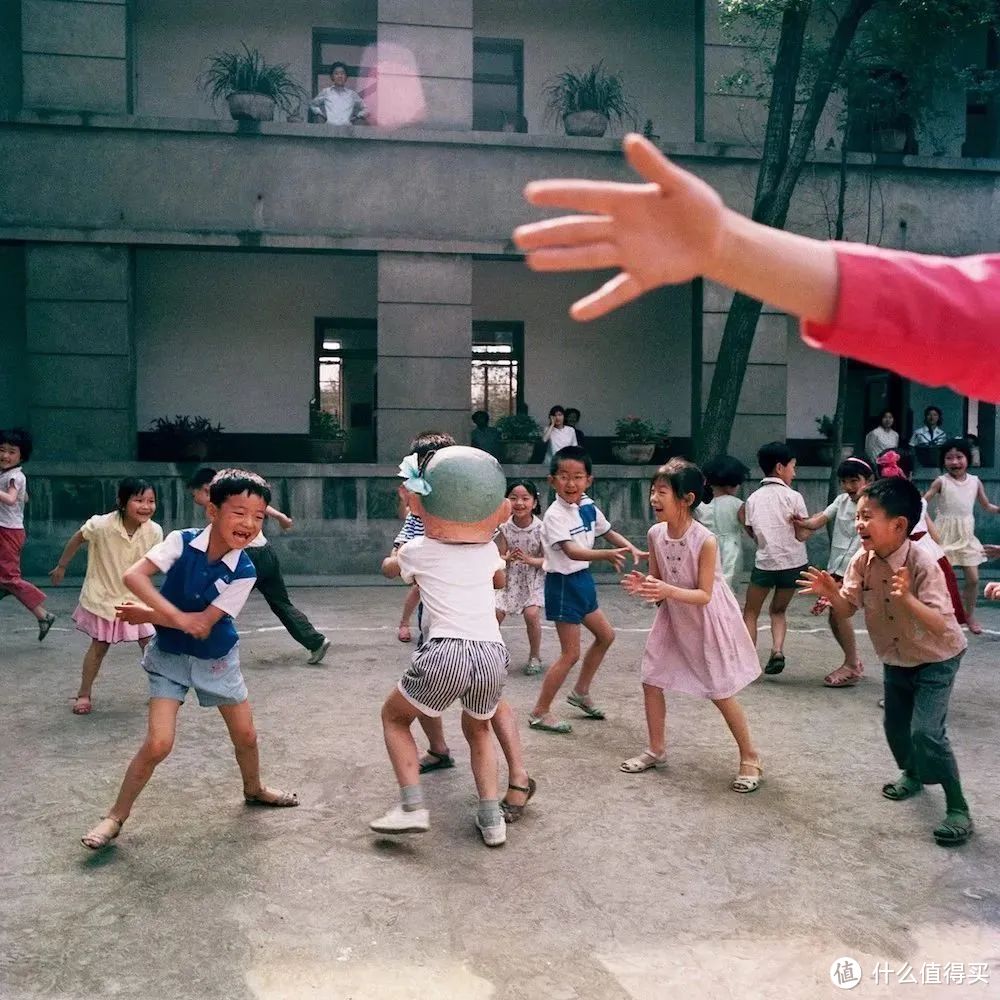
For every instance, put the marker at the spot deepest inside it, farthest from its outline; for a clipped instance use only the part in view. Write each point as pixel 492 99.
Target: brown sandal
pixel 95 840
pixel 511 812
pixel 281 800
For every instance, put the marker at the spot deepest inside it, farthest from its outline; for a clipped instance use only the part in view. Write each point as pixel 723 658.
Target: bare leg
pixel 656 718
pixel 843 632
pixel 483 754
pixel 970 592
pixel 555 676
pixel 779 623
pixel 756 596
pixel 736 719
pixel 410 605
pixel 397 717
pixel 239 722
pixel 92 661
pixel 533 624
pixel 504 724
pixel 604 636
pixel 433 727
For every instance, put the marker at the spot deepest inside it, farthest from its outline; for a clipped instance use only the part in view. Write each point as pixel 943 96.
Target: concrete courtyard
pixel 658 885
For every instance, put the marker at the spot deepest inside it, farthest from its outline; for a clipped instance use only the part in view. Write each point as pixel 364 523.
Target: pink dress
pixel 700 650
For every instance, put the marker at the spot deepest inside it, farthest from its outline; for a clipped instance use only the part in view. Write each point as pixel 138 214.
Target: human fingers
pixel 621 289
pixel 590 257
pixel 568 230
pixel 601 197
pixel 992 591
pixel 645 159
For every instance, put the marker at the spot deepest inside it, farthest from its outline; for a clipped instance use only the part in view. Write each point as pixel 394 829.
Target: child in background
pixel 914 632
pixel 115 542
pixel 697 644
pixel 725 477
pixel 569 529
pixel 520 544
pixel 854 475
pixel 769 516
pixel 959 491
pixel 208 579
pixel 15 450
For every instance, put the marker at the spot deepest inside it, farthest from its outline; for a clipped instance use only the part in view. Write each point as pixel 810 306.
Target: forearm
pixel 581 554
pixel 685 595
pixel 840 606
pixel 617 540
pixel 9 497
pixel 390 567
pixel 71 549
pixel 143 588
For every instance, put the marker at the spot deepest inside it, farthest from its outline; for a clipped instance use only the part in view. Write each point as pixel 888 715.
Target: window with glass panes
pixel 497 367
pixel 498 85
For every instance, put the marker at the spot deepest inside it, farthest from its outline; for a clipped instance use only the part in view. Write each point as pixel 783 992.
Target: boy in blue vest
pixel 208 579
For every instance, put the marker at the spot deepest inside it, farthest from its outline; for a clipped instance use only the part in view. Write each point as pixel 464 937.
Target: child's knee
pixel 157 748
pixel 474 728
pixel 245 738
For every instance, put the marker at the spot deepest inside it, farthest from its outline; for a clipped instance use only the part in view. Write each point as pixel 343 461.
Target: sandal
pixel 538 722
pixel 844 676
pixel 403 634
pixel 904 787
pixel 82 705
pixel 583 702
pixel 98 838
pixel 775 663
pixel 440 762
pixel 281 800
pixel 956 829
pixel 533 667
pixel 46 623
pixel 512 813
pixel 642 762
pixel 820 606
pixel 748 782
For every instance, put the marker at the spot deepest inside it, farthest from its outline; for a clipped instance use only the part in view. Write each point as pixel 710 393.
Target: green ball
pixel 467 485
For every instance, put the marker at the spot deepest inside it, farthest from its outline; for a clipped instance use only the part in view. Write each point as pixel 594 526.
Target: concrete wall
pixel 13 366
pixel 10 57
pixel 230 336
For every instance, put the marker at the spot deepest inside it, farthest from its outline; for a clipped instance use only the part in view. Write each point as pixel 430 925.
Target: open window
pixel 351 47
pixel 344 380
pixel 497 368
pixel 877 119
pixel 498 85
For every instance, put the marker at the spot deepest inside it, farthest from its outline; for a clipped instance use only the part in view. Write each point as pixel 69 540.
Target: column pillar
pixel 424 348
pixel 80 352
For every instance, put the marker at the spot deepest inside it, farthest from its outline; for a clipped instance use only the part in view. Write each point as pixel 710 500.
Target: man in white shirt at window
pixel 339 105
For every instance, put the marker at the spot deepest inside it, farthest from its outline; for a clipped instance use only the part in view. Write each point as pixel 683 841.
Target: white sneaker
pixel 493 836
pixel 316 656
pixel 398 820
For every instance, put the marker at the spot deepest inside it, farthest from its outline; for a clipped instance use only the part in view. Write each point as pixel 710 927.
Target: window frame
pixel 342 36
pixel 483 332
pixel 513 46
pixel 325 326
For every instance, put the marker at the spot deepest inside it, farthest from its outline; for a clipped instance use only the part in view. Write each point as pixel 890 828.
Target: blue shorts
pixel 215 682
pixel 570 597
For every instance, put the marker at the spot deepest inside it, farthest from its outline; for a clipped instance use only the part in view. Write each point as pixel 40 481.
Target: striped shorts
pixel 445 669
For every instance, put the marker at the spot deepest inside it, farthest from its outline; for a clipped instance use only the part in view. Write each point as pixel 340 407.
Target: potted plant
pixel 825 426
pixel 326 434
pixel 587 100
pixel 635 440
pixel 251 88
pixel 520 435
pixel 647 131
pixel 182 438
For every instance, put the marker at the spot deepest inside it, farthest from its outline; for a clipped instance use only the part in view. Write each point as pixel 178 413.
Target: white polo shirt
pixel 581 523
pixel 845 540
pixel 769 511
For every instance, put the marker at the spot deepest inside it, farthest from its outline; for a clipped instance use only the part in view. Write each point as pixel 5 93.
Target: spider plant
pixel 594 89
pixel 247 72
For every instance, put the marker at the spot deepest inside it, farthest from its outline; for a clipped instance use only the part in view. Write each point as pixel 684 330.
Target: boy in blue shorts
pixel 208 579
pixel 570 527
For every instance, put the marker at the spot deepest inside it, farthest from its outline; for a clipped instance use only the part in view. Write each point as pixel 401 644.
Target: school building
pixel 158 258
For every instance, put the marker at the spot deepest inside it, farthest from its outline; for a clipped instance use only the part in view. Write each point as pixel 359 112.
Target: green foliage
pixel 518 427
pixel 247 72
pixel 183 430
pixel 594 89
pixel 324 425
pixel 826 427
pixel 638 431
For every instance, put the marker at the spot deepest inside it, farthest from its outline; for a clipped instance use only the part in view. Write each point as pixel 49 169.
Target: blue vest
pixel 191 585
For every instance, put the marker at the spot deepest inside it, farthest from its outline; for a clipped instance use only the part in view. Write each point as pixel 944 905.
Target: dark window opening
pixel 877 119
pixel 498 85
pixel 344 380
pixel 497 368
pixel 354 49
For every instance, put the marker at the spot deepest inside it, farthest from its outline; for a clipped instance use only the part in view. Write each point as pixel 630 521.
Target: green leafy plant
pixel 323 425
pixel 825 426
pixel 518 427
pixel 247 72
pixel 635 430
pixel 647 129
pixel 182 429
pixel 594 89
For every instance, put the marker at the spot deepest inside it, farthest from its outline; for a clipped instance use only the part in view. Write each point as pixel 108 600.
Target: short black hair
pixel 19 437
pixel 683 477
pixel 569 410
pixel 232 482
pixel 936 409
pixel 898 497
pixel 957 444
pixel 557 409
pixel 773 454
pixel 427 442
pixel 342 65
pixel 724 470
pixel 854 466
pixel 481 418
pixel 201 478
pixel 131 486
pixel 571 453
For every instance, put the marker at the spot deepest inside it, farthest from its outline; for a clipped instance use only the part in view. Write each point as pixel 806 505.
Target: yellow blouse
pixel 110 554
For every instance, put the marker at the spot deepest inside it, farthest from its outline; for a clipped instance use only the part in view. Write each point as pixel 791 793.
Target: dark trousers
pixel 272 588
pixel 916 708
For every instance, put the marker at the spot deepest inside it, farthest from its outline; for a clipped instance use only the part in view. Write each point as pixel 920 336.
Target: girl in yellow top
pixel 117 541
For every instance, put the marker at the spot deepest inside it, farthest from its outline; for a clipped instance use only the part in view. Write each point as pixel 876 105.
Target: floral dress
pixel 525 584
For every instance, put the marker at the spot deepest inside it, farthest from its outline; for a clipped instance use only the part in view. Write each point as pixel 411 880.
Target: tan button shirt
pixel 898 637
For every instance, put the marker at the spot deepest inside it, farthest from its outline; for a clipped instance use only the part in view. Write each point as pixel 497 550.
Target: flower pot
pixel 193 451
pixel 633 452
pixel 244 106
pixel 585 123
pixel 518 452
pixel 324 451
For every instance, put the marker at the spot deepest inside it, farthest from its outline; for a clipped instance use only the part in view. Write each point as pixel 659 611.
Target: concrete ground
pixel 613 886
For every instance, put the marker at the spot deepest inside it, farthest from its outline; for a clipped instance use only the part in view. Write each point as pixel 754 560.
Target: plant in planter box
pixel 635 440
pixel 586 101
pixel 824 425
pixel 250 87
pixel 520 434
pixel 326 434
pixel 182 438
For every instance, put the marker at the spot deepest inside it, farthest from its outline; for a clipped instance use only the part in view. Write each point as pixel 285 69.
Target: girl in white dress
pixel 719 513
pixel 957 493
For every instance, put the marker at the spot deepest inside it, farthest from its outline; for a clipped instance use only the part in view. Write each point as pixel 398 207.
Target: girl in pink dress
pixel 698 643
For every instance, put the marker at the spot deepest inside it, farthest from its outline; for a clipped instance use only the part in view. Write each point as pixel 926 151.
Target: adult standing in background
pixel 557 435
pixel 881 438
pixel 338 105
pixel 930 434
pixel 573 420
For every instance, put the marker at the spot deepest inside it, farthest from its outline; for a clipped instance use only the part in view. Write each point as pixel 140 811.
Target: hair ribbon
pixel 413 481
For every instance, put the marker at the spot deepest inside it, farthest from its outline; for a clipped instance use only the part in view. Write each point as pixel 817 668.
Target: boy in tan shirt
pixel 911 623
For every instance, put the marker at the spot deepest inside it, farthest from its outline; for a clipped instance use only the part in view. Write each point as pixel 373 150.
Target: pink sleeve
pixel 931 319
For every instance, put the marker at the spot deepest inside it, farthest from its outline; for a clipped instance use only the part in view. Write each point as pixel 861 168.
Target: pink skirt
pixel 104 631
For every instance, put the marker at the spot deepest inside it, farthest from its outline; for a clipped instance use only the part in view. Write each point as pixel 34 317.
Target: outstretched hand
pixel 818 582
pixel 666 231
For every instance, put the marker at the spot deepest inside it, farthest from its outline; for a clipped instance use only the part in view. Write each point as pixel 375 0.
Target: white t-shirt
pixel 769 512
pixel 456 586
pixel 926 542
pixel 580 523
pixel 12 515
pixel 559 438
pixel 845 540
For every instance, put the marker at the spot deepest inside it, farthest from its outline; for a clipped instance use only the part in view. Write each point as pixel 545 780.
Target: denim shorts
pixel 215 682
pixel 570 597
